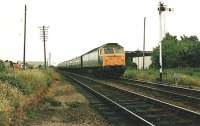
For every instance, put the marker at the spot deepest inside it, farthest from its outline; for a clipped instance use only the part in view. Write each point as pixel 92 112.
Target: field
pixel 180 76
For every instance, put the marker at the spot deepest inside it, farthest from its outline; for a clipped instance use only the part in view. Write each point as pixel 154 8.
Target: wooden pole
pixel 44 40
pixel 144 43
pixel 24 54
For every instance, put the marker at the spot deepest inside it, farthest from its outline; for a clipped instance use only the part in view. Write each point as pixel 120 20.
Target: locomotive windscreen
pixel 119 50
pixel 108 50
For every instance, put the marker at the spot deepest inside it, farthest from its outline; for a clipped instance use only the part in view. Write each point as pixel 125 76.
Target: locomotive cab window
pixel 119 50
pixel 108 50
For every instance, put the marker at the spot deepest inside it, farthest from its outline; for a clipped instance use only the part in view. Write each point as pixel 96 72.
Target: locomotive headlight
pixel 106 59
pixel 122 58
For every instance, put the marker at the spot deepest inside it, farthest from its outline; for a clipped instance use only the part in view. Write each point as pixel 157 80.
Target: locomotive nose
pixel 114 61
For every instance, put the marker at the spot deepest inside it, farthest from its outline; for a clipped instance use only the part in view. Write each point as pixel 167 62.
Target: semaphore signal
pixel 161 8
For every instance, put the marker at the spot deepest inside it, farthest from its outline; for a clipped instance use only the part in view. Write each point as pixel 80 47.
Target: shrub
pixel 16 87
pixel 33 80
pixel 10 99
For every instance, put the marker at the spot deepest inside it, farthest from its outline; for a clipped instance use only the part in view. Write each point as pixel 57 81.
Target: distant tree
pixel 188 51
pixel 168 50
pixel 178 53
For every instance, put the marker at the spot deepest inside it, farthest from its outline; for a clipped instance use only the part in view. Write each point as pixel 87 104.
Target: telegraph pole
pixel 144 43
pixel 44 36
pixel 44 40
pixel 24 54
pixel 161 8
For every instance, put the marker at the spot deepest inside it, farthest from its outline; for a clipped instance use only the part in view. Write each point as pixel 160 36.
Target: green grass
pixel 33 80
pixel 151 74
pixel 186 76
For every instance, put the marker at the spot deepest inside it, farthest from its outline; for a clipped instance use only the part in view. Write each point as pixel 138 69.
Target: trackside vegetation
pixel 16 90
pixel 181 62
pixel 178 53
pixel 189 77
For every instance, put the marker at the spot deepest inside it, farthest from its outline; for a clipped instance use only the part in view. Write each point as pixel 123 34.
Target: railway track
pixel 189 98
pixel 114 114
pixel 188 92
pixel 142 109
pixel 180 96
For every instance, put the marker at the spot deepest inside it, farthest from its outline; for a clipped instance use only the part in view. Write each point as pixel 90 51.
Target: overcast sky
pixel 77 26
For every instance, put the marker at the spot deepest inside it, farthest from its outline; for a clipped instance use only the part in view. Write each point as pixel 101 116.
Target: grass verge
pixel 63 106
pixel 189 77
pixel 19 90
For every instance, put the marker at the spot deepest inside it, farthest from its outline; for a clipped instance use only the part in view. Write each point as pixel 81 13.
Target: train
pixel 106 60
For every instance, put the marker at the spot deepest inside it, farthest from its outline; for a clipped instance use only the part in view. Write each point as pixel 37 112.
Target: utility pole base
pixel 160 76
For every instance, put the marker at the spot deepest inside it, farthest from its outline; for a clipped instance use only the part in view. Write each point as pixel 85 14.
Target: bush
pixel 11 79
pixel 10 99
pixel 16 87
pixel 178 53
pixel 33 80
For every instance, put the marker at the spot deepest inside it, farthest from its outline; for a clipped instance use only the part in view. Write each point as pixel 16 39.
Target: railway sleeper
pixel 94 101
pixel 113 116
pixel 128 100
pixel 103 108
pixel 167 123
pixel 110 113
pixel 108 93
pixel 125 99
pixel 150 111
pixel 98 104
pixel 159 117
pixel 175 123
pixel 133 103
pixel 186 123
pixel 140 106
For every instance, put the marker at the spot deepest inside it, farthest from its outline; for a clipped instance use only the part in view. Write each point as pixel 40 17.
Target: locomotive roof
pixel 105 45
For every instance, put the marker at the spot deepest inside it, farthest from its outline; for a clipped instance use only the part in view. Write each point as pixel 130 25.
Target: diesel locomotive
pixel 106 60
